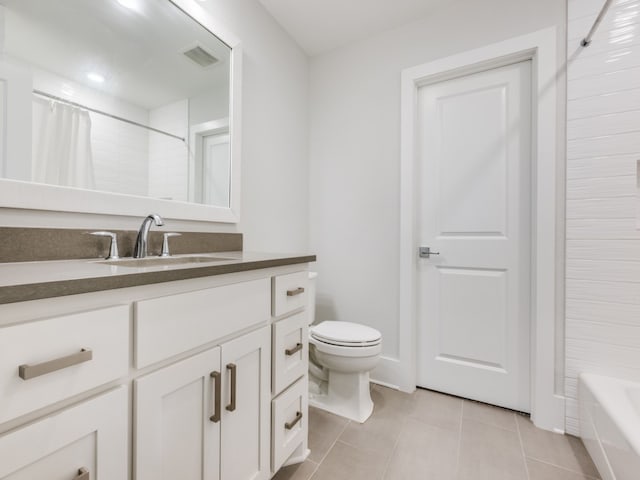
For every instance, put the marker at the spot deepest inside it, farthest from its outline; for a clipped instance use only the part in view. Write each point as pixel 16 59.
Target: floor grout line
pixel 333 444
pixel 566 469
pixel 393 450
pixel 589 477
pixel 314 470
pixel 459 451
pixel 524 455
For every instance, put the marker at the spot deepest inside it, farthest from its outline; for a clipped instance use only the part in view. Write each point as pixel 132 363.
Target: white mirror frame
pixel 34 196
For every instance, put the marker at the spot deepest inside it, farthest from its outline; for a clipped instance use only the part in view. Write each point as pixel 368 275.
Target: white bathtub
pixel 610 425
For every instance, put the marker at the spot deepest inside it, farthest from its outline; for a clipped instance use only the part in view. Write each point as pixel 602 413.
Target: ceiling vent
pixel 200 56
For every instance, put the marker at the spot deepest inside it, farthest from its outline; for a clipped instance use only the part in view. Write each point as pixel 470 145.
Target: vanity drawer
pixel 91 435
pixel 290 351
pixel 289 422
pixel 48 360
pixel 174 324
pixel 289 292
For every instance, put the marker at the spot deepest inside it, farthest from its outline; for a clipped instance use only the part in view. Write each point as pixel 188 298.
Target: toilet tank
pixel 311 297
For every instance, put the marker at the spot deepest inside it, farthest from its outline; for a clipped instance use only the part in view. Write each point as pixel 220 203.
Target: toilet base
pixel 344 394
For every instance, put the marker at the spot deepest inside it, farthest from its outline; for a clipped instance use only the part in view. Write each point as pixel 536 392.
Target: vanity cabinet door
pixel 177 434
pixel 245 439
pixel 88 441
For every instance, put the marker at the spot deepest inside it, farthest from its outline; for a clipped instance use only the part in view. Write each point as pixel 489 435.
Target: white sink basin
pixel 161 261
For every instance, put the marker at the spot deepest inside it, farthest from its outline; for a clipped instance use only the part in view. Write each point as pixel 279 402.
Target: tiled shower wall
pixel 603 240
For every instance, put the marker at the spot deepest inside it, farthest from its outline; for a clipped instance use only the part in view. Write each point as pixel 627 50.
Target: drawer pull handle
pixel 291 351
pixel 290 425
pixel 31 371
pixel 232 367
pixel 83 474
pixel 215 418
pixel 295 291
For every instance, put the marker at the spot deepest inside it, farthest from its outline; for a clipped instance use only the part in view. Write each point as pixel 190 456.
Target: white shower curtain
pixel 61 145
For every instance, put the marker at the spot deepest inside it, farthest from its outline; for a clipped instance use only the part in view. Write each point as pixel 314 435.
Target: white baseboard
pixel 387 372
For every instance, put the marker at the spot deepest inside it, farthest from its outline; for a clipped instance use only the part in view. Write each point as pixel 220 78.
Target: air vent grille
pixel 200 56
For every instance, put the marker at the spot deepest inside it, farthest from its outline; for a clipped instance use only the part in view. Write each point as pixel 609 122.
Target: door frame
pixel 547 407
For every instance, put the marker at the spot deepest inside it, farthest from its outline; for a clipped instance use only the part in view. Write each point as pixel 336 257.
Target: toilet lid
pixel 346 333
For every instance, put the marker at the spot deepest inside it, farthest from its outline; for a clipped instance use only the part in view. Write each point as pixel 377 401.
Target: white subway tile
pixel 608 166
pixel 613 102
pixel 607 228
pixel 613 334
pixel 603 359
pixel 604 187
pixel 616 81
pixel 628 250
pixel 611 124
pixel 607 270
pixel 586 310
pixel 620 18
pixel 605 60
pixel 612 293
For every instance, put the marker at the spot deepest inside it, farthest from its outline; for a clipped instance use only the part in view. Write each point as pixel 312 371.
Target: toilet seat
pixel 345 334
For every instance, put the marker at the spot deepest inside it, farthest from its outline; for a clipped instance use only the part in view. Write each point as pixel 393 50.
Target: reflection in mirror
pixel 121 96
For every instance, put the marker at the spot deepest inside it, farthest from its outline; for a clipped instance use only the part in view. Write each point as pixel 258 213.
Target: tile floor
pixel 429 435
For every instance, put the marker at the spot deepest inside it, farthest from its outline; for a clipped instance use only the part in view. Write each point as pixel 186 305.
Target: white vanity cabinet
pixel 206 417
pixel 290 363
pixel 182 381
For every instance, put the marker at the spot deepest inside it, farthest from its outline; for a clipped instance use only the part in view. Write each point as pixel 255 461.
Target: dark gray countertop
pixel 24 281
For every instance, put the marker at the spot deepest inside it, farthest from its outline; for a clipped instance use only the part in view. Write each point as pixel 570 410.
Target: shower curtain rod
pixel 587 40
pixel 69 102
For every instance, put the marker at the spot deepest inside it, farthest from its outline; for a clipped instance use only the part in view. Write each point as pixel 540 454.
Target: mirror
pixel 119 97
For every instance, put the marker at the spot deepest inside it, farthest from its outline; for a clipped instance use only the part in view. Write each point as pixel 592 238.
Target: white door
pixel 246 394
pixel 175 436
pixel 474 209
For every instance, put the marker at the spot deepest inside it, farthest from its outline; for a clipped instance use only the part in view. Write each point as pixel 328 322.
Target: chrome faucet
pixel 140 251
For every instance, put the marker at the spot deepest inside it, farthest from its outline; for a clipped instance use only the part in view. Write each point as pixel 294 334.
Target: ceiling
pixel 322 25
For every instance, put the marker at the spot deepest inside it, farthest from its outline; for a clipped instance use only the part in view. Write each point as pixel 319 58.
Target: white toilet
pixel 341 355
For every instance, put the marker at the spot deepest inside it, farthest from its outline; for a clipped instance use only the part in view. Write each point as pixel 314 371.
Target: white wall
pixel 275 129
pixel 603 247
pixel 355 150
pixel 274 214
pixel 210 105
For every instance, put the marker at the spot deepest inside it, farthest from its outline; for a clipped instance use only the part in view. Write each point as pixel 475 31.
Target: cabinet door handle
pixel 215 418
pixel 234 370
pixel 290 425
pixel 31 371
pixel 83 474
pixel 295 291
pixel 291 351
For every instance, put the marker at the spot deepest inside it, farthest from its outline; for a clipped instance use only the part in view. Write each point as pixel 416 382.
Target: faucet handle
pixel 165 242
pixel 113 247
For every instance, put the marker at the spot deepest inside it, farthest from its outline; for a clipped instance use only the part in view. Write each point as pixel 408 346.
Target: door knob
pixel 426 252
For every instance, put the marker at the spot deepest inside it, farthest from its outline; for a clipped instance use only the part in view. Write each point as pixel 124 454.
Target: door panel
pixel 174 435
pixel 477 162
pixel 481 315
pixel 474 210
pixel 245 429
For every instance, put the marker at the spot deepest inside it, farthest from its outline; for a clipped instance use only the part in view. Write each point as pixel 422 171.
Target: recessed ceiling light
pixel 95 77
pixel 131 4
